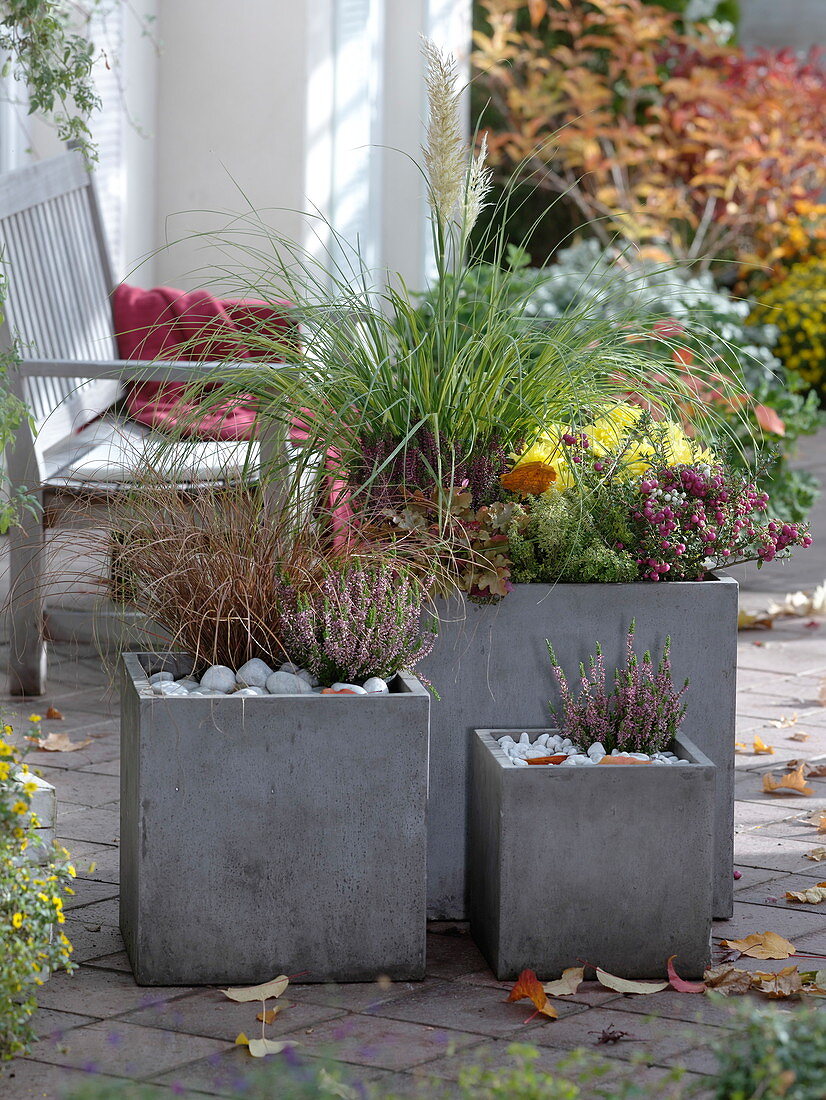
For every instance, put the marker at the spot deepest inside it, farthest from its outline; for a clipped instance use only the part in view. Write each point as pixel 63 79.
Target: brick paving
pixel 405 1039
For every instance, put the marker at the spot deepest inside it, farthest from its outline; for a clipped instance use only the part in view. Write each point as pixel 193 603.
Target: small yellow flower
pixel 71 870
pixel 35 718
pixel 4 770
pixel 29 788
pixel 19 808
pixel 17 920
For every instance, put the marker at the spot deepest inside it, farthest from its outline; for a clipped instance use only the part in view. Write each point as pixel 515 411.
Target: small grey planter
pixel 609 865
pixel 491 668
pixel 271 834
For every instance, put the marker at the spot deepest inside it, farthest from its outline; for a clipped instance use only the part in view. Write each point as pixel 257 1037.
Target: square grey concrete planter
pixel 272 834
pixel 609 865
pixel 491 668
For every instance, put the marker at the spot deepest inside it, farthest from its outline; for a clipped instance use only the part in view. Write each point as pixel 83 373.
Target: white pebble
pixel 376 686
pixel 596 751
pixel 288 666
pixel 285 683
pixel 166 688
pixel 542 740
pixel 218 678
pixel 247 692
pixel 519 762
pixel 535 753
pixel 638 755
pixel 308 677
pixel 506 741
pixel 187 683
pixel 160 677
pixel 338 686
pixel 524 739
pixel 254 673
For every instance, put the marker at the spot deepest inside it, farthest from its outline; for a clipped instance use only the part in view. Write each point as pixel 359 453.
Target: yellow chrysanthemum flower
pixel 17 920
pixel 609 430
pixel 19 808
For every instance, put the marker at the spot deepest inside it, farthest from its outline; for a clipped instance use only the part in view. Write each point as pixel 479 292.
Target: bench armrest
pixel 127 370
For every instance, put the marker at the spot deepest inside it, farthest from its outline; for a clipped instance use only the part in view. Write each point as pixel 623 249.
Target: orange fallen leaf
pixel 784 983
pixel 727 980
pixel 814 895
pixel 817 855
pixel 54 715
pixel 621 760
pixel 816 771
pixel 625 985
pixel 556 759
pixel 740 746
pixel 530 477
pixel 762 945
pixel 680 984
pixel 793 783
pixel 270 1014
pixel 58 742
pixel 528 986
pixel 785 722
pixel 569 983
pixel 760 748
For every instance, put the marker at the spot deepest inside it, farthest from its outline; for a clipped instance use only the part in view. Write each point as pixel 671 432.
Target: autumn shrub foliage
pixel 640 713
pixel 650 127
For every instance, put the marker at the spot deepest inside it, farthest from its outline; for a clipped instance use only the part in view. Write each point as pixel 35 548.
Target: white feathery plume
pixel 479 180
pixel 445 155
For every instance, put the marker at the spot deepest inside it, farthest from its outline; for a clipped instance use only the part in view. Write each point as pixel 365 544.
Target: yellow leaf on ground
pixel 58 742
pixel 817 855
pixel 740 746
pixel 727 980
pixel 813 896
pixel 625 985
pixel 784 983
pixel 762 945
pixel 793 783
pixel 241 1040
pixel 260 1048
pixel 570 982
pixel 761 749
pixel 262 992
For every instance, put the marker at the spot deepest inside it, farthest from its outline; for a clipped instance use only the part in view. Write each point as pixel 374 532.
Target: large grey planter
pixel 491 668
pixel 268 835
pixel 608 865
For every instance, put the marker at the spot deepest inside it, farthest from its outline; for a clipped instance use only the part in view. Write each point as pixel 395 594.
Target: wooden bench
pixel 58 323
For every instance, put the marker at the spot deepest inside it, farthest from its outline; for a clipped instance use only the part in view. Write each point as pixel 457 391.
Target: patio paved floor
pixel 406 1036
pixel 395 1035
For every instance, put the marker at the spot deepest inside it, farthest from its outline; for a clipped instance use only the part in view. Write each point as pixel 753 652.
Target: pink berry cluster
pixel 689 518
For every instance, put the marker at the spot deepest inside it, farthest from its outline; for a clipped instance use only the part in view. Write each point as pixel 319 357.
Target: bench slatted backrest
pixel 58 282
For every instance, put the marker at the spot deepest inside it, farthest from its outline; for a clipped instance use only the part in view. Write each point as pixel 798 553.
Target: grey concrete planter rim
pixel 682 746
pixel 140 666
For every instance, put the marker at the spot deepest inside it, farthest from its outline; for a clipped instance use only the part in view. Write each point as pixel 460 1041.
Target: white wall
pixel 230 121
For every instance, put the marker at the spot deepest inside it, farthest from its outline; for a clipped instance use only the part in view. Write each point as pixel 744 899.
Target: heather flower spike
pixel 641 714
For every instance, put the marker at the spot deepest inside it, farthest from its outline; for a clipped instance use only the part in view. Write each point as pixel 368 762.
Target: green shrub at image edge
pixel 32 943
pixel 796 306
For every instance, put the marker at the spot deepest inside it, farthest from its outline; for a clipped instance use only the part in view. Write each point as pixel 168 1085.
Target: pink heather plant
pixel 358 623
pixel 641 714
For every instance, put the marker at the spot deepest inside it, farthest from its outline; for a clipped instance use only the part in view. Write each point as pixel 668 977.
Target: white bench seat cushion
pixel 115 452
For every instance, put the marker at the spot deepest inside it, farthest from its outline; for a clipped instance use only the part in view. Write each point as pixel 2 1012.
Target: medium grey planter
pixel 491 668
pixel 271 834
pixel 609 865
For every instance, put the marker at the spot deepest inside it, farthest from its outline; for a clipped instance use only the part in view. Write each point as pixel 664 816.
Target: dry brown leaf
pixel 760 748
pixel 793 783
pixel 819 822
pixel 58 742
pixel 817 855
pixel 54 715
pixel 762 945
pixel 528 986
pixel 814 895
pixel 783 983
pixel 799 736
pixel 624 985
pixel 727 980
pixel 569 983
pixel 785 721
pixel 816 771
pixel 263 992
pixel 754 620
